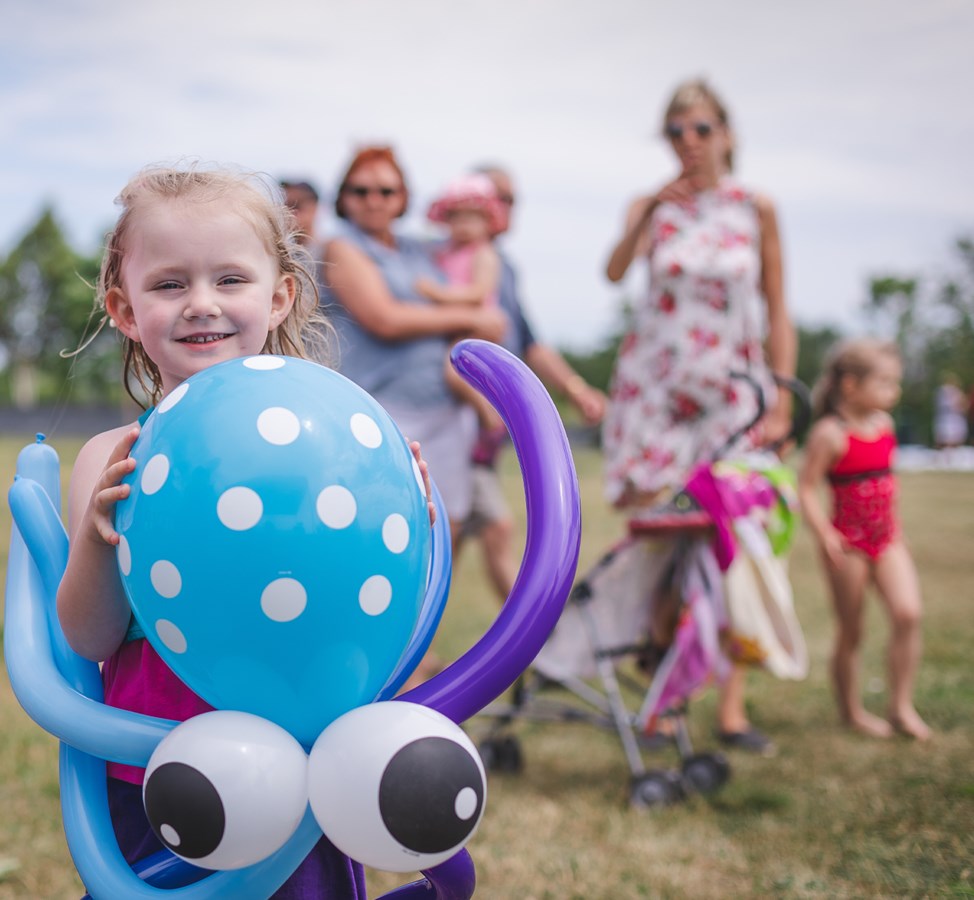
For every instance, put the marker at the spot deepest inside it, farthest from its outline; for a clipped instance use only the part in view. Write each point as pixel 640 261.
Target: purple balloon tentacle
pixel 553 537
pixel 454 879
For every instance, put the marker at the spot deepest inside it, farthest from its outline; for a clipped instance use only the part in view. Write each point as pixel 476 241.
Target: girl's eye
pixel 232 279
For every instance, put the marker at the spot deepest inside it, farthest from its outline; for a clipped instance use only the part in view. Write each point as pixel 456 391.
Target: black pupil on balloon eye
pixel 418 794
pixel 185 810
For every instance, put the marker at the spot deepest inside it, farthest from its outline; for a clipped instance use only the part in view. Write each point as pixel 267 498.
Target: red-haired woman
pixel 392 340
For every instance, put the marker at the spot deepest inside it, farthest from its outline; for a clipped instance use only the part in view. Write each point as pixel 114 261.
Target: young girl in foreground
pixel 202 267
pixel 851 445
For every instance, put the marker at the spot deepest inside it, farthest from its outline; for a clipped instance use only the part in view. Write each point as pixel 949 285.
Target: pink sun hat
pixel 469 192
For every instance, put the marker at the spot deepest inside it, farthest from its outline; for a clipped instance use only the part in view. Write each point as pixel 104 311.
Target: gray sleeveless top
pixel 400 374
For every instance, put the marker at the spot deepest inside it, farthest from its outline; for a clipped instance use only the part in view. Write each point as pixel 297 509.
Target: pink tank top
pixel 457 265
pixel 135 678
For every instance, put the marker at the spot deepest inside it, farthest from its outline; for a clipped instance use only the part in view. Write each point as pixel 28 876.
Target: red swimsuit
pixel 864 494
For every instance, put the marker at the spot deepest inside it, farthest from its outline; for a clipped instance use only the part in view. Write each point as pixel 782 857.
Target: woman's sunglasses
pixel 675 132
pixel 361 191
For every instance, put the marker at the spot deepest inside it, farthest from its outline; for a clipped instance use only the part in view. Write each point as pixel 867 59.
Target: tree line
pixel 46 312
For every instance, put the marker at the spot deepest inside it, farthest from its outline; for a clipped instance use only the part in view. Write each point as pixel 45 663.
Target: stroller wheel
pixel 657 788
pixel 501 754
pixel 706 772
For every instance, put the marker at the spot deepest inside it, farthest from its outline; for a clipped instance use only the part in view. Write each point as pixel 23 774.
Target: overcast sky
pixel 855 117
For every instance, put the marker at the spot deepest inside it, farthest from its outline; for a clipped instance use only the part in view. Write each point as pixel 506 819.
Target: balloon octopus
pixel 393 783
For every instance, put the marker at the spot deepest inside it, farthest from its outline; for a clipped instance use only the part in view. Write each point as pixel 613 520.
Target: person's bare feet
pixel 868 724
pixel 908 722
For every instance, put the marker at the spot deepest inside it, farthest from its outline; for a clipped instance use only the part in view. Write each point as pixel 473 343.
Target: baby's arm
pixel 362 291
pixel 824 446
pixel 91 603
pixel 484 279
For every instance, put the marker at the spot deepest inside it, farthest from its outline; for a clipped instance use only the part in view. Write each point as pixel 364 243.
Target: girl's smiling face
pixel 198 287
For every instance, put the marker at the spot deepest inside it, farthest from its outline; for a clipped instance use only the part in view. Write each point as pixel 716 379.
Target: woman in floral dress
pixel 715 307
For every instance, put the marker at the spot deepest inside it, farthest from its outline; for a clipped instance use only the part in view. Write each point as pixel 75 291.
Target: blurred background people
pixel 491 520
pixel 470 210
pixel 391 339
pixel 949 414
pixel 715 306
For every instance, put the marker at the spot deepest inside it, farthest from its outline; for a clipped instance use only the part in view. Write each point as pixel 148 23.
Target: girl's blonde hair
pixel 695 92
pixel 855 358
pixel 304 331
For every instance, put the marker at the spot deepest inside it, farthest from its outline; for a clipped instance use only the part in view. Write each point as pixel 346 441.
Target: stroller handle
pixel 800 418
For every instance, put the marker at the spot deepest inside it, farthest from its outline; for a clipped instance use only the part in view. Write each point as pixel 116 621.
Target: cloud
pixel 854 117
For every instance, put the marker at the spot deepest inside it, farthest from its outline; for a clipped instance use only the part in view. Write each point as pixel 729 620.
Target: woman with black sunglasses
pixel 392 341
pixel 715 307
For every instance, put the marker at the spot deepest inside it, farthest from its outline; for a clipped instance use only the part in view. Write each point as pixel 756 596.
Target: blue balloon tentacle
pixel 552 544
pixel 106 874
pixel 434 602
pixel 41 687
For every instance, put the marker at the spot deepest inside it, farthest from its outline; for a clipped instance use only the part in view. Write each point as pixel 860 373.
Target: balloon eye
pixel 431 815
pixel 185 810
pixel 396 786
pixel 226 789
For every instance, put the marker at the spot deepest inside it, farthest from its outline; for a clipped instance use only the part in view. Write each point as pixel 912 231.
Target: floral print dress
pixel 674 400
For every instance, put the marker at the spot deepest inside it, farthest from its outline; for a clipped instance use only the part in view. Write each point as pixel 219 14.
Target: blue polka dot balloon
pixel 276 541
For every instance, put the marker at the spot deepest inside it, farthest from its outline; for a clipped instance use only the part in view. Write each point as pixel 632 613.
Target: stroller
pixel 695 583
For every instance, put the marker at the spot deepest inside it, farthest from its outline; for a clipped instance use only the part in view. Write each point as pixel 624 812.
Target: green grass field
pixel 832 815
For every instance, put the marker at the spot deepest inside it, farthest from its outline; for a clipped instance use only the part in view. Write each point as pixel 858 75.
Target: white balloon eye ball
pixel 226 789
pixel 396 786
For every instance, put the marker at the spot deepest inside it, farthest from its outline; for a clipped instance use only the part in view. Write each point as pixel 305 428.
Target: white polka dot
pixel 169 401
pixel 263 363
pixel 466 803
pixel 336 506
pixel 155 473
pixel 124 556
pixel 171 636
pixel 375 595
pixel 395 533
pixel 239 508
pixel 284 599
pixel 366 431
pixel 278 426
pixel 165 578
pixel 170 835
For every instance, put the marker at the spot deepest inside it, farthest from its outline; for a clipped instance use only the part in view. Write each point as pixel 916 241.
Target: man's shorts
pixel 487 503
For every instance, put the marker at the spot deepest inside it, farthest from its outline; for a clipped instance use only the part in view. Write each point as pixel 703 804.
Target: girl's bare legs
pixel 848 598
pixel 899 588
pixel 497 541
pixel 731 714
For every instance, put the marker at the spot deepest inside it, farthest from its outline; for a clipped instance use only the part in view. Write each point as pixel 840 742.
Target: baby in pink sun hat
pixel 473 213
pixel 469 193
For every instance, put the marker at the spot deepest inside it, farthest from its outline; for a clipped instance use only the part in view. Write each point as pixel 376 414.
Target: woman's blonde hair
pixel 855 358
pixel 695 92
pixel 304 331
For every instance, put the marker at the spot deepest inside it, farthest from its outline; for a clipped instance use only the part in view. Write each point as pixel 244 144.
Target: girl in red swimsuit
pixel 851 446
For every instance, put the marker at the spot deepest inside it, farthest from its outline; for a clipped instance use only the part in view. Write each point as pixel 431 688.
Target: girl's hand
pixel 99 519
pixel 775 426
pixel 424 470
pixel 834 547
